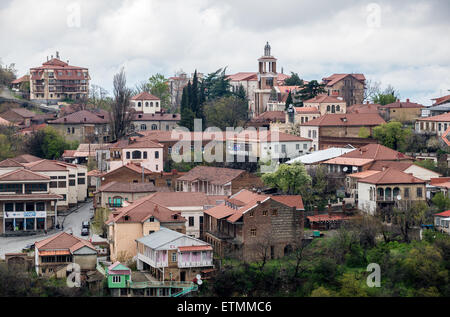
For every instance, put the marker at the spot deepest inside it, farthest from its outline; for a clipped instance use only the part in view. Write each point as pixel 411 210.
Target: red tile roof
pixel 26 158
pixel 23 112
pixel 376 152
pixel 398 165
pixel 270 116
pixel 22 175
pixel 333 79
pixel 215 175
pixel 22 79
pixel 306 110
pixel 364 108
pixel 63 241
pixel 290 200
pixel 441 100
pixel 143 144
pixel 10 163
pixel 392 176
pixel 82 117
pixel 144 96
pixel 45 165
pixel 400 104
pixel 349 119
pixel 181 199
pixel 445 117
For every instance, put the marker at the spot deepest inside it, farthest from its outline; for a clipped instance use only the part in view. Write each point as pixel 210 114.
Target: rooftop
pixel 82 117
pixel 63 241
pixel 376 152
pixel 349 119
pixel 392 176
pixel 319 156
pixel 144 96
pixel 215 175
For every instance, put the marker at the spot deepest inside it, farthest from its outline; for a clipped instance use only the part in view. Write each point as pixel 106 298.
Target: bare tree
pixel 121 114
pixel 299 253
pixel 262 247
pixel 141 87
pixel 371 90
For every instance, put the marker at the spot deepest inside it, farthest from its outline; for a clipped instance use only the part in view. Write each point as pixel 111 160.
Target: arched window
pixel 154 127
pixel 338 108
pixel 139 104
pixel 151 104
pixel 333 110
pixel 146 103
pixel 156 104
pixel 143 127
pixel 328 108
pixel 136 154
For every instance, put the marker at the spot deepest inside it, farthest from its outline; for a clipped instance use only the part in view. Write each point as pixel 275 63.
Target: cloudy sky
pixel 402 43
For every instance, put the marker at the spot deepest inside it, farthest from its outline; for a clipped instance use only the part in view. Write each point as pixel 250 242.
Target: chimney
pixel 57 54
pixel 258 202
pixel 367 102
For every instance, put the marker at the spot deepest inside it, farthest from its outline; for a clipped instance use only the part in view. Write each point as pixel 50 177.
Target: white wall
pixel 364 202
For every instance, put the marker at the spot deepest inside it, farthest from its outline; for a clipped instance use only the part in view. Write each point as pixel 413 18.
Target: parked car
pixel 28 248
pixel 85 232
pixel 85 224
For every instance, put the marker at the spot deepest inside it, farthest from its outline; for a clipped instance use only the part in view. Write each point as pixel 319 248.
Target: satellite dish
pixel 399 197
pixel 198 276
pixel 345 169
pixel 355 168
pixel 199 282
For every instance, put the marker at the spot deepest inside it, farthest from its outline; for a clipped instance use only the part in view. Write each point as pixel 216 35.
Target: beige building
pixel 56 80
pixel 141 218
pixel 436 125
pixel 84 126
pixel 327 104
pixel 401 111
pixel 145 103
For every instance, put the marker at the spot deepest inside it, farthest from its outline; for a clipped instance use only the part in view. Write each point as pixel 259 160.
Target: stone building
pixel 348 86
pixel 250 225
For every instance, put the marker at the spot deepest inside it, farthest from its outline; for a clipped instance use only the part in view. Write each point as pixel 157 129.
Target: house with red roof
pixel 435 125
pixel 84 126
pixel 403 111
pixel 145 102
pixel 56 80
pixel 54 255
pixel 442 221
pixel 327 104
pixel 248 225
pixel 348 86
pixel 340 130
pixel 382 191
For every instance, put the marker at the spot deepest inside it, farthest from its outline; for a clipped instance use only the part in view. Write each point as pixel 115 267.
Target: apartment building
pixel 348 86
pixel 56 80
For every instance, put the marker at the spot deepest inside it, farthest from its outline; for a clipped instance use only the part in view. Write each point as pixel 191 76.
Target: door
pixel 182 276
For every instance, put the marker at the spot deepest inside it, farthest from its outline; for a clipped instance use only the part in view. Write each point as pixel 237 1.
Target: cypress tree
pixel 289 100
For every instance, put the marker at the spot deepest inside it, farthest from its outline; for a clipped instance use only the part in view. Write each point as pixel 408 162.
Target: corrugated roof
pixel 320 156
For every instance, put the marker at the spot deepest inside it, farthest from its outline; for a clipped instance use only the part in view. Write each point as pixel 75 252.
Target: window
pixel 251 213
pixel 151 104
pixel 419 192
pixel 72 182
pixel 128 155
pixel 151 219
pixel 156 154
pixel 116 279
pixel 146 103
pixel 136 154
pixel 297 146
pixel 143 127
pixel 406 192
pixel 253 232
pixel 62 184
pixel 174 257
pixel 81 181
pixel 40 206
pixel 156 167
pixel 9 206
pixel 265 213
pixel 64 197
pixel 274 212
pixel 191 221
pixel 145 155
pixel 20 207
pixel 305 146
pixel 154 127
pixel 139 104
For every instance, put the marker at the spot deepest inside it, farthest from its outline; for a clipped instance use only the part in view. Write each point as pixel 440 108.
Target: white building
pixel 146 103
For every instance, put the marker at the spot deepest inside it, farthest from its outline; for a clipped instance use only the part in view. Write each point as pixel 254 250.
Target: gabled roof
pixel 141 210
pixel 145 143
pixel 349 119
pixel 377 152
pixel 10 163
pixel 340 160
pixel 392 176
pixel 363 174
pixel 333 79
pixel 400 104
pixel 441 100
pixel 270 116
pixel 23 175
pixel 182 199
pixel 23 112
pixel 45 165
pixel 243 76
pixel 22 79
pixel 118 268
pixel 158 239
pixel 398 165
pixel 132 167
pixel 243 201
pixel 63 241
pixel 215 175
pixel 26 158
pixel 161 116
pixel 144 96
pixel 82 117
pixel 364 108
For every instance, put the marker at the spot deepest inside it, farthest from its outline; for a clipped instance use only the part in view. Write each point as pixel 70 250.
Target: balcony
pixel 195 263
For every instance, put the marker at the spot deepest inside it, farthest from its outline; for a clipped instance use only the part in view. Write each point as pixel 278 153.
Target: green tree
pixel 216 85
pixel 392 135
pixel 290 179
pixel 441 201
pixel 226 112
pixel 428 164
pixel 389 95
pixel 240 93
pixel 187 115
pixel 7 74
pixel 158 86
pixel 294 80
pixel 310 90
pixel 5 148
pixel 289 101
pixel 48 143
pixel 407 215
pixel 363 132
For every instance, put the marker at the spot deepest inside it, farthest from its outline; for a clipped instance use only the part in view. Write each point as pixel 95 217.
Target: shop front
pixel 24 216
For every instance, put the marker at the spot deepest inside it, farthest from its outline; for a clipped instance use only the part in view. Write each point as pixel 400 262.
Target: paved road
pixel 72 223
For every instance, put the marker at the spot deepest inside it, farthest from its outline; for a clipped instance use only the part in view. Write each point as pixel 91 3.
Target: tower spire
pixel 267 49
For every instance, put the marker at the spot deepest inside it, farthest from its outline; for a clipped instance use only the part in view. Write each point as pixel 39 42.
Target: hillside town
pixel 255 183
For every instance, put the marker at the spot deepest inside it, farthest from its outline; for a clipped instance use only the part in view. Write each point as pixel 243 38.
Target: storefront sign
pixel 26 214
